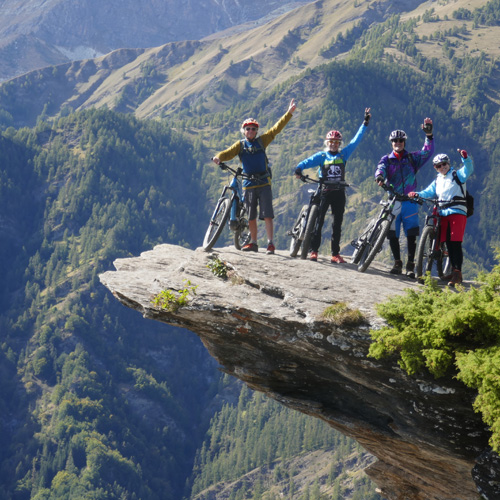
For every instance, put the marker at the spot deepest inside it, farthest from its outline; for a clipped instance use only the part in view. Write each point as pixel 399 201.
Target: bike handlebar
pixel 399 197
pixel 306 178
pixel 431 201
pixel 237 172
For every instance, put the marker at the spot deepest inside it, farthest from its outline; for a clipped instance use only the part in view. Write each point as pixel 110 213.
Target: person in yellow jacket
pixel 257 191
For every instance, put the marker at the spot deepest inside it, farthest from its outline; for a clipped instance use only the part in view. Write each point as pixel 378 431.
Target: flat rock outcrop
pixel 264 324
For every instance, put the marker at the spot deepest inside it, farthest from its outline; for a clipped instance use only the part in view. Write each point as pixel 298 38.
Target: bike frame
pixel 371 240
pixel 236 194
pixel 434 220
pixel 384 214
pixel 439 250
pixel 313 200
pixel 315 195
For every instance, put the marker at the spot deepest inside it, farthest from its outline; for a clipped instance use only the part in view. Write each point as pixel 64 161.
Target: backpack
pixel 269 172
pixel 469 199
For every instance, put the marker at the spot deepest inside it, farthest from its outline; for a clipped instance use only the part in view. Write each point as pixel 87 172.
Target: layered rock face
pixel 264 324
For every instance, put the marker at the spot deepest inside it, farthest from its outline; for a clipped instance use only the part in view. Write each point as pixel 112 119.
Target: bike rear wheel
pixel 295 232
pixel 429 252
pixel 374 244
pixel 242 234
pixel 311 224
pixel 217 223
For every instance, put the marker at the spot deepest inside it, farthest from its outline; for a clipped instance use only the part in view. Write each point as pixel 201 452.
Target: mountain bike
pixel 229 207
pixel 430 249
pixel 303 227
pixel 373 236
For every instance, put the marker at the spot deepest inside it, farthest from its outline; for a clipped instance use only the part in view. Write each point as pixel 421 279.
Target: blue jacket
pixel 445 188
pixel 332 165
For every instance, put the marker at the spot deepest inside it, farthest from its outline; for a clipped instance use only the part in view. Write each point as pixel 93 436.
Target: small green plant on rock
pixel 218 267
pixel 171 300
pixel 342 315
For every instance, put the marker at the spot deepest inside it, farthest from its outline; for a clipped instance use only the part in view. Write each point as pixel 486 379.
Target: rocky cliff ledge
pixel 264 325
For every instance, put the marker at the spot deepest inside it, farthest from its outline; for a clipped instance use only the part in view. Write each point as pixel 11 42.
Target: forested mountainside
pixel 38 34
pixel 79 189
pixel 94 402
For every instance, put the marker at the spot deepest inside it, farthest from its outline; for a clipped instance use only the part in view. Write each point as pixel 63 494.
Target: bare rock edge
pixel 263 325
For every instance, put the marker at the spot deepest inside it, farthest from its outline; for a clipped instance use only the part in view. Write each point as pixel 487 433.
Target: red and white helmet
pixel 250 121
pixel 334 135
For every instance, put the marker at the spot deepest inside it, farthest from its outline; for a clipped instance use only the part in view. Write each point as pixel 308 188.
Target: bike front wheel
pixel 429 252
pixel 296 231
pixel 360 244
pixel 311 224
pixel 217 223
pixel 374 244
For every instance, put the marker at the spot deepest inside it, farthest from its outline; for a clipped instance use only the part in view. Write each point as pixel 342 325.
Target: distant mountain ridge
pixel 164 79
pixel 35 35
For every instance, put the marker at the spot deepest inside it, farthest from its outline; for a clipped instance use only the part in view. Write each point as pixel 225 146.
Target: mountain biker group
pixel 398 168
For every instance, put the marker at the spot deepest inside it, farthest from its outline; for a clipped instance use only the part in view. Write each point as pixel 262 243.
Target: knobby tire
pixel 217 224
pixel 426 255
pixel 311 224
pixel 374 244
pixel 296 230
pixel 242 234
pixel 358 252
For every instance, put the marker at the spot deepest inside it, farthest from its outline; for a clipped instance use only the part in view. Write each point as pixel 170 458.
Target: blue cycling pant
pixel 406 214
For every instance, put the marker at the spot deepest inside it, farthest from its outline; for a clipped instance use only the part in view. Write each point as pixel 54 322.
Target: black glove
pixel 427 128
pixel 298 171
pixel 379 178
pixel 367 118
pixel 223 166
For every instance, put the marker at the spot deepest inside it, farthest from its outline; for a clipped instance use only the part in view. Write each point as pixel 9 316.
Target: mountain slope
pixel 92 387
pixel 38 34
pixel 163 80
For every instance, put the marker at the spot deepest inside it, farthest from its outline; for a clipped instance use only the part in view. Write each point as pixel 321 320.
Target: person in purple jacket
pixel 399 169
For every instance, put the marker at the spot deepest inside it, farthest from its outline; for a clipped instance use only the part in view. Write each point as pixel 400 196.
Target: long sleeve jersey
pixel 252 154
pixel 402 172
pixel 332 165
pixel 445 188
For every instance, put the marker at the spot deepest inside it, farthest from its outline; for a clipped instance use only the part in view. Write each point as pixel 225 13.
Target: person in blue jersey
pixel 251 151
pixel 399 169
pixel 332 163
pixel 449 188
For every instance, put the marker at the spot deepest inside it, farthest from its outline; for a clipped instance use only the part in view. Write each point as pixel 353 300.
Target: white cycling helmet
pixel 398 134
pixel 441 158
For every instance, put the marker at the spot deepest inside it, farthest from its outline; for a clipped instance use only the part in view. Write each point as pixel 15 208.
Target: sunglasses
pixel 439 165
pixel 398 140
pixel 250 128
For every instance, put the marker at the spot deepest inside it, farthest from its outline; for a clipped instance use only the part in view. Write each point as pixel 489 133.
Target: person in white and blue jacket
pixel 449 188
pixel 332 164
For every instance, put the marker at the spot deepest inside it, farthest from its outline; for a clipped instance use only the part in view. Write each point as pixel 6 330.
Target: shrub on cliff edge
pixel 449 332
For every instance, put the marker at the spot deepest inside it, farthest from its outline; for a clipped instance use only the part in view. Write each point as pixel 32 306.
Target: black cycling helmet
pixel 398 134
pixel 441 158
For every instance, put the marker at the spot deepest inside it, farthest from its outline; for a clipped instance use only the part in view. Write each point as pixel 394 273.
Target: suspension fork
pixel 236 198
